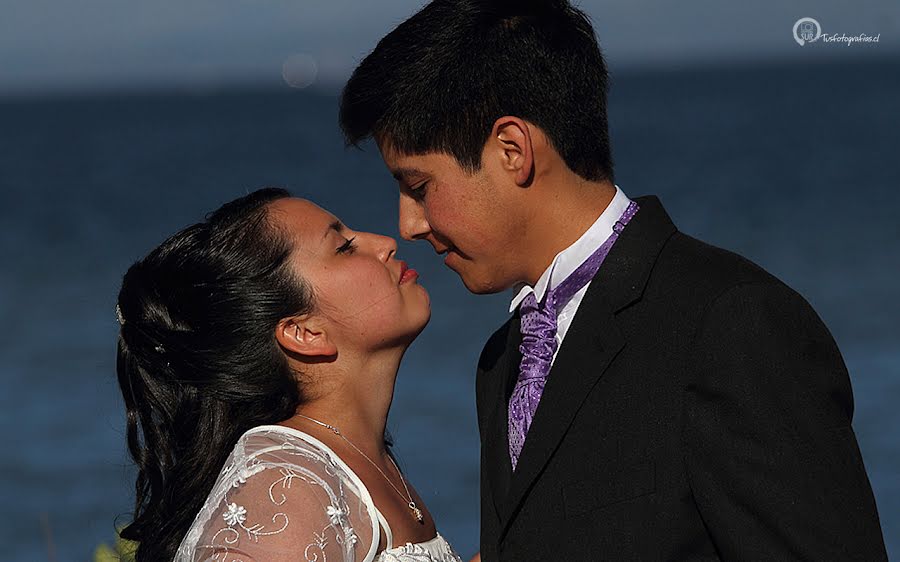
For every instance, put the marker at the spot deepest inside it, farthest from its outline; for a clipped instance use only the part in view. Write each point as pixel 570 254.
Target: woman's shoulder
pixel 277 447
pixel 280 487
pixel 281 444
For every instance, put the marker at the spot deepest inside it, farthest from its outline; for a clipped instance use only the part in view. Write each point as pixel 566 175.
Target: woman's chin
pixel 423 310
pixel 419 326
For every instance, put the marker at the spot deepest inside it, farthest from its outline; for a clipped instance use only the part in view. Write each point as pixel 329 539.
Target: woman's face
pixel 369 299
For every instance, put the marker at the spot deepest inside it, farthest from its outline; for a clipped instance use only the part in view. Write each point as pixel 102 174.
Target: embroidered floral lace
pixel 285 496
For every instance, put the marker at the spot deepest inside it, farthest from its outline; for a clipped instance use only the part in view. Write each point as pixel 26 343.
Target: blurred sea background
pixel 791 163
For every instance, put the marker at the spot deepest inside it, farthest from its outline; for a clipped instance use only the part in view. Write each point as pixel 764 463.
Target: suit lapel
pixel 501 377
pixel 592 343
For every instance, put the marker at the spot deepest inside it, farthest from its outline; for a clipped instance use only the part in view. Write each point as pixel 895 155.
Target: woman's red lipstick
pixel 407 274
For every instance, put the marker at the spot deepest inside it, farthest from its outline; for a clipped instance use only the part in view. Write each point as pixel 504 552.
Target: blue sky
pixel 52 45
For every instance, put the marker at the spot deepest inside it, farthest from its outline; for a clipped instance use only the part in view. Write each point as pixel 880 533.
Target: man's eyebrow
pixel 402 173
pixel 336 226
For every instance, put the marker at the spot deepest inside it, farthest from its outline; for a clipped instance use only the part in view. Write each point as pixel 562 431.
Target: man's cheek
pixel 447 218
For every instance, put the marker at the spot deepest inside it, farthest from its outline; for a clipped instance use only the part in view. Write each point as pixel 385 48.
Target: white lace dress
pixel 285 496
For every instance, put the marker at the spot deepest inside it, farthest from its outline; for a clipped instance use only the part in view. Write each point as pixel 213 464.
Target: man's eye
pixel 419 192
pixel 348 247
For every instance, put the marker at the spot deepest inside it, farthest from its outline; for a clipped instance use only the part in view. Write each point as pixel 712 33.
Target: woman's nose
pixel 386 247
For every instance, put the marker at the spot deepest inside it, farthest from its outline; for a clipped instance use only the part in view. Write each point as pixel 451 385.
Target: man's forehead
pixel 404 166
pixel 407 166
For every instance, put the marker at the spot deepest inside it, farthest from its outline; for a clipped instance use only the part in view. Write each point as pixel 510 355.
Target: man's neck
pixel 567 210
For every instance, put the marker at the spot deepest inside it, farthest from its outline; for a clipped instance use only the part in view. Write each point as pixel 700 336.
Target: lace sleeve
pixel 281 498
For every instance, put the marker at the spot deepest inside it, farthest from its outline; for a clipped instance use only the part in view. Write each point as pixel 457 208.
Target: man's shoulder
pixel 692 266
pixel 657 261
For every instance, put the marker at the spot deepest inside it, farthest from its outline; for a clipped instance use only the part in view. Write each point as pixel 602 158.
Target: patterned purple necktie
pixel 538 328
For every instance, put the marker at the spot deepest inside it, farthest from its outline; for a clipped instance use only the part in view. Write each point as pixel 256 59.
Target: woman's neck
pixel 356 399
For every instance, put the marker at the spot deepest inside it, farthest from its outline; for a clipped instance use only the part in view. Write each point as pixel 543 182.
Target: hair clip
pixel 119 316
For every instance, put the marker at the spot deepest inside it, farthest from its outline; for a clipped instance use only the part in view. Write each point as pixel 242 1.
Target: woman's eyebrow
pixel 336 226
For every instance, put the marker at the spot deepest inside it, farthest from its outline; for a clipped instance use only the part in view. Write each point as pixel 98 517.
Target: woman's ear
pixel 304 335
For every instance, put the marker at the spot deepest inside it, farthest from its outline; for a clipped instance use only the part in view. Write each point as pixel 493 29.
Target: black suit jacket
pixel 698 409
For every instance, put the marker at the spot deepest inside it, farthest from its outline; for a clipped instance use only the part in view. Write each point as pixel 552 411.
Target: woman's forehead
pixel 301 216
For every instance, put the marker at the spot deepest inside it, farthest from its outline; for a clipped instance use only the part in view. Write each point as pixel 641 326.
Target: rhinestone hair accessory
pixel 157 348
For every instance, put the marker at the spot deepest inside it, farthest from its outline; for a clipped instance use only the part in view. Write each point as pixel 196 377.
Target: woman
pixel 257 358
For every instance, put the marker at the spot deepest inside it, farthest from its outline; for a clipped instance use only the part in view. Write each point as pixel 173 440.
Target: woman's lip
pixel 409 275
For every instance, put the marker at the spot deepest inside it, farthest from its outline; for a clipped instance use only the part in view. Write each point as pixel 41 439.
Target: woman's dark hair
pixel 439 81
pixel 198 362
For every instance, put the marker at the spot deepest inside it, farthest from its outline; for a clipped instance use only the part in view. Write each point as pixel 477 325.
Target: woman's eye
pixel 348 247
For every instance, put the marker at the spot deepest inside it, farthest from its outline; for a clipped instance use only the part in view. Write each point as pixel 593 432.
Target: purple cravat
pixel 538 327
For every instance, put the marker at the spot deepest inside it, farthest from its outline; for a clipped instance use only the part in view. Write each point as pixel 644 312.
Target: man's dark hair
pixel 439 81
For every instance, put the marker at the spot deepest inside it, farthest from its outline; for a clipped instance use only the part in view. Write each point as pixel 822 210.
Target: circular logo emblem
pixel 806 30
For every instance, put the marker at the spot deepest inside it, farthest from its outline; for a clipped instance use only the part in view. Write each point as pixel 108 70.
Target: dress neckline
pixel 364 491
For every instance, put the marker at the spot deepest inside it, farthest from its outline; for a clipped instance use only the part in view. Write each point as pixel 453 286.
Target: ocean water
pixel 792 166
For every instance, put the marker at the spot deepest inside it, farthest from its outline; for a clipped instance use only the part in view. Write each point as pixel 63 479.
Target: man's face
pixel 469 218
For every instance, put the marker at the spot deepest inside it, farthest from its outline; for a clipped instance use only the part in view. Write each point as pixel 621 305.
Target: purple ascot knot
pixel 538 328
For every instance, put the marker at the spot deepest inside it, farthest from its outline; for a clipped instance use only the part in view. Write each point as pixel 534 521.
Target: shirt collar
pixel 568 260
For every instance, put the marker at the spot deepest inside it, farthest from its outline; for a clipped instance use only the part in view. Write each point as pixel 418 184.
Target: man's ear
pixel 304 335
pixel 514 145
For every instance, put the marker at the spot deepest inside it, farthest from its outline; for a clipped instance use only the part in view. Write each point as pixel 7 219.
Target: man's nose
pixel 413 225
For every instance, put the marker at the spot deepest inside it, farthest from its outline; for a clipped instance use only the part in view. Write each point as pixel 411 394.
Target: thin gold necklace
pixel 417 513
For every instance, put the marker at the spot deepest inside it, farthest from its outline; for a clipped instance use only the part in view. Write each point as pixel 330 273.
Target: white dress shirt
pixel 568 260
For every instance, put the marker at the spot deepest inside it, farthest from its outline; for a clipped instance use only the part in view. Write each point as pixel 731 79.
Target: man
pixel 652 397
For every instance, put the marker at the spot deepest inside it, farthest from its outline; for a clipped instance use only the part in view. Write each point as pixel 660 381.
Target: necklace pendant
pixel 417 512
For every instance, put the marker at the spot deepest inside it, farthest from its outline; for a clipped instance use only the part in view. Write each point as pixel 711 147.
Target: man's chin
pixel 479 285
pixel 475 279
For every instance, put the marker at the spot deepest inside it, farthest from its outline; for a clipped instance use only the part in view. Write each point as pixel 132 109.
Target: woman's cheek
pixel 373 292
